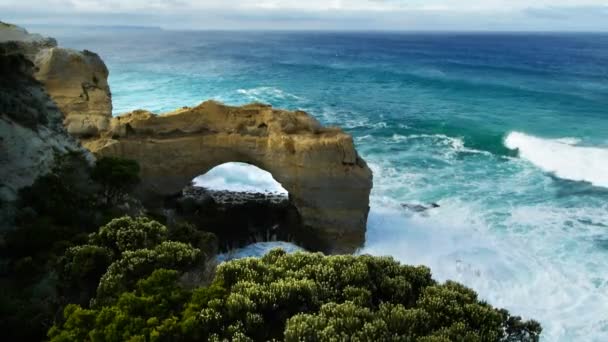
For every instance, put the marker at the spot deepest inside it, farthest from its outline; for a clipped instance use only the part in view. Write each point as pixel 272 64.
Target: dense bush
pixel 205 241
pixel 300 297
pixel 55 213
pixel 117 176
pixel 129 234
pixel 134 265
pixel 80 269
pixel 122 252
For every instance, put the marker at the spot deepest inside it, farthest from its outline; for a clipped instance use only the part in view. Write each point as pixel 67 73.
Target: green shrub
pixel 188 233
pixel 135 265
pixel 299 297
pixel 129 234
pixel 80 270
pixel 146 314
pixel 117 176
pixel 66 195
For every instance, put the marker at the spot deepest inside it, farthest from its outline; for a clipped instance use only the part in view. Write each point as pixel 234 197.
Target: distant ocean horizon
pixel 507 132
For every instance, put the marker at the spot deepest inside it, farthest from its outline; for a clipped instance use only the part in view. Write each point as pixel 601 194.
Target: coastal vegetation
pixel 297 297
pixel 52 218
pixel 82 259
pixel 135 279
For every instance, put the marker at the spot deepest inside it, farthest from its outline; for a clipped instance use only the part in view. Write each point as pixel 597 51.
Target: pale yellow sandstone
pixel 327 181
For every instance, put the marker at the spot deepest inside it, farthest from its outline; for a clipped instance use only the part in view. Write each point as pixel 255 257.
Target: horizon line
pixel 304 30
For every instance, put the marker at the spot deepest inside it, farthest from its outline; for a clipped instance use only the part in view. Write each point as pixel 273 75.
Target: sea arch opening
pixel 240 177
pixel 242 204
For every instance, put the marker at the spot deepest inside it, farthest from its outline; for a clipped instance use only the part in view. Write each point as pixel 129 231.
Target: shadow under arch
pixel 242 204
pixel 327 181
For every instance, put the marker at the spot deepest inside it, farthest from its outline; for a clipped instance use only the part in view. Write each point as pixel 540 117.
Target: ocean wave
pixel 441 140
pixel 262 94
pixel 521 267
pixel 239 177
pixel 562 157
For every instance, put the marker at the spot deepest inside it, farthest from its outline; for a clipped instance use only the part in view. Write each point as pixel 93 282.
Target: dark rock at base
pixel 419 208
pixel 242 218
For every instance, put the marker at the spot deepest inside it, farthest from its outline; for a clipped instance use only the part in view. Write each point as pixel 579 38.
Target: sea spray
pixel 562 157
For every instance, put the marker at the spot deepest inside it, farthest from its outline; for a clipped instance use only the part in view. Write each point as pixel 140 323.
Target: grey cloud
pixel 183 17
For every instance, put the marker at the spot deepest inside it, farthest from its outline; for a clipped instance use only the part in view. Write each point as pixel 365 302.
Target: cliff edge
pixel 77 81
pixel 327 180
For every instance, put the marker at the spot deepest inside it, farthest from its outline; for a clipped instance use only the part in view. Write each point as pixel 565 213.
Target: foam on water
pixel 543 260
pixel 266 94
pixel 257 250
pixel 239 177
pixel 562 157
pixel 529 269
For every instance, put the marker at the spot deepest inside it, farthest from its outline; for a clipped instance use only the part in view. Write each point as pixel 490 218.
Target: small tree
pixel 117 176
pixel 130 234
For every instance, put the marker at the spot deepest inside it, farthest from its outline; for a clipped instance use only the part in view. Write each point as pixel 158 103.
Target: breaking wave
pixel 562 157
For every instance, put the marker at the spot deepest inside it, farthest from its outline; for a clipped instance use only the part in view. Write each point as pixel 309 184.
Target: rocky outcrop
pixel 239 219
pixel 78 83
pixel 75 80
pixel 328 182
pixel 18 39
pixel 31 129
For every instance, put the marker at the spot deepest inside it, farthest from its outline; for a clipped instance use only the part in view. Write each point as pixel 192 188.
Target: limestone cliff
pixel 31 129
pixel 27 43
pixel 327 181
pixel 75 80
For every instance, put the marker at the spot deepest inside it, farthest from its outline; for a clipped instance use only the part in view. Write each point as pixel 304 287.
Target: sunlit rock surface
pixel 77 81
pixel 327 181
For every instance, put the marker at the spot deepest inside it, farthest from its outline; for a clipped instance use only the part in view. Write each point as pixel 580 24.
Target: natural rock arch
pixel 327 181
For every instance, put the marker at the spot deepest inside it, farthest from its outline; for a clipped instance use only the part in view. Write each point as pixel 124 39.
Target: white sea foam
pixel 239 177
pixel 530 269
pixel 562 157
pixel 265 94
pixel 257 250
pixel 454 144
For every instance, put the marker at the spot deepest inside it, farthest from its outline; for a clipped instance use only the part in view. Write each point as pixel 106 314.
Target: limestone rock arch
pixel 327 181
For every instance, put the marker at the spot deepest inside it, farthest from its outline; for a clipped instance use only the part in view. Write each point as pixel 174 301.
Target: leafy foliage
pixel 299 297
pixel 147 313
pixel 52 215
pixel 129 234
pixel 134 265
pixel 80 269
pixel 185 232
pixel 117 176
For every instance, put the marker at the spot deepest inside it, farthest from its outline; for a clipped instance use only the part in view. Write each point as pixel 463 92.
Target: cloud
pixel 319 14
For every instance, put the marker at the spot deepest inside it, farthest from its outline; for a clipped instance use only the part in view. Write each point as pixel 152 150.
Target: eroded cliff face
pixel 327 181
pixel 31 129
pixel 77 81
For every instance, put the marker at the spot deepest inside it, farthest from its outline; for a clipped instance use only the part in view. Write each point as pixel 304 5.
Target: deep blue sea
pixel 508 133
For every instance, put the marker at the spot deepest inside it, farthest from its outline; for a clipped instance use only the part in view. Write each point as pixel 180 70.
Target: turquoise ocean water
pixel 507 132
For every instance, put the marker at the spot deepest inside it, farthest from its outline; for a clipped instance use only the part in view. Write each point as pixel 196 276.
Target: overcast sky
pixel 442 15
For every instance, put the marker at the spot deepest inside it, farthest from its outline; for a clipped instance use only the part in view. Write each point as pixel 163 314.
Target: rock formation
pixel 31 130
pixel 75 80
pixel 327 181
pixel 28 44
pixel 239 219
